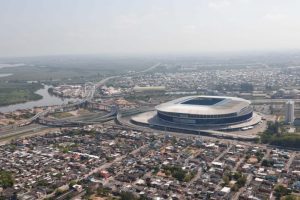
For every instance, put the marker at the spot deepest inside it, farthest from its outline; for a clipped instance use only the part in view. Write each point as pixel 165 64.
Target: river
pixel 47 100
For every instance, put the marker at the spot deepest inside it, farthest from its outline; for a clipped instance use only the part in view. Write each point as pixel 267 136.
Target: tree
pixel 280 191
pixel 143 197
pixel 6 179
pixel 72 183
pixel 241 181
pixel 102 191
pixel 176 172
pixel 155 170
pixel 290 197
pixel 127 196
pixel 148 181
pixel 267 163
pixel 226 180
pixel 174 140
pixel 188 177
pixel 179 175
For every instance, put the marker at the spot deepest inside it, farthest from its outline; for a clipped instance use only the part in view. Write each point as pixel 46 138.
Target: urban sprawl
pixel 89 149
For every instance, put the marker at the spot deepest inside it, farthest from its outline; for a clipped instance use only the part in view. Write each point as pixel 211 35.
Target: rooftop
pixel 203 101
pixel 204 105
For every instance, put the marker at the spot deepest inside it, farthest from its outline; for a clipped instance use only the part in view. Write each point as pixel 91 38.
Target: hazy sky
pixel 47 27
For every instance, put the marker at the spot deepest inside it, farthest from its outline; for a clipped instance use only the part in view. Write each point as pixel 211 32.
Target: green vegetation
pixel 287 140
pixel 43 183
pixel 6 179
pixel 238 177
pixel 275 135
pixel 72 183
pixel 59 192
pixel 12 93
pixel 281 191
pixel 267 163
pixel 72 69
pixel 178 173
pixel 128 196
pixel 103 192
pixel 259 155
pixel 155 170
pixel 291 197
pixel 65 148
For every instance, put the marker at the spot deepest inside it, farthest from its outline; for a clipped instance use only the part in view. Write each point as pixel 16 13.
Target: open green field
pixel 13 93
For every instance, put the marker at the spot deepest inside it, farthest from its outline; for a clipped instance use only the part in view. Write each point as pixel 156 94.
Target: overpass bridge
pixel 112 113
pixel 90 89
pixel 89 96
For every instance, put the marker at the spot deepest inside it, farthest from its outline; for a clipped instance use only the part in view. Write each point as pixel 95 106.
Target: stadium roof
pixel 204 105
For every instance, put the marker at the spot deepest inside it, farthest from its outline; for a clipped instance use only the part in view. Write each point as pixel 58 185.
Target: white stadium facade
pixel 216 115
pixel 206 111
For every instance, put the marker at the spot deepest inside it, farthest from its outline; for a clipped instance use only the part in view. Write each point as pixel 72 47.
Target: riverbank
pixel 14 93
pixel 45 100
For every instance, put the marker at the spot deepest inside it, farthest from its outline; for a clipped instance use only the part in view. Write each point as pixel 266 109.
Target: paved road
pixel 290 161
pixel 218 187
pixel 223 153
pixel 241 190
pixel 198 174
pixel 37 127
pixel 238 164
pixel 20 130
pixel 249 178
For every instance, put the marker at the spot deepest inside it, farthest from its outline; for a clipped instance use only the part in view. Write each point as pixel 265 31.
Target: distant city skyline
pixel 41 27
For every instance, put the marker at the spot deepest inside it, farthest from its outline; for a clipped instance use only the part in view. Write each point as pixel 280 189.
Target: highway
pixel 89 96
pixel 16 129
pixel 122 119
pixel 33 128
pixel 29 127
pixel 22 131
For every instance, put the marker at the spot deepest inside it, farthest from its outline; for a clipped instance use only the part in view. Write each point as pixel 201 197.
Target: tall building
pixel 289 115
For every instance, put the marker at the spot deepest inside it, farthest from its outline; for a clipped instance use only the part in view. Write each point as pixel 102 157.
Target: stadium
pixel 205 111
pixel 215 115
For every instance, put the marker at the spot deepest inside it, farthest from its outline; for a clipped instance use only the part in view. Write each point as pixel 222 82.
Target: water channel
pixel 47 100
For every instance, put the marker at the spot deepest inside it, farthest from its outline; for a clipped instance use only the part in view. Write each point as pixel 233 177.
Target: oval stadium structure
pixel 205 111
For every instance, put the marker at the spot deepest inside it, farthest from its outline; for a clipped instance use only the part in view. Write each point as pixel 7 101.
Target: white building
pixel 289 115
